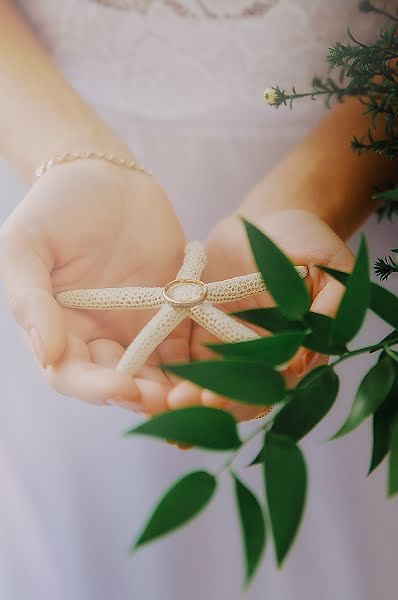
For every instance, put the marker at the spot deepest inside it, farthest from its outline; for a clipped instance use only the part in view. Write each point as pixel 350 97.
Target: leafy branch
pixel 248 372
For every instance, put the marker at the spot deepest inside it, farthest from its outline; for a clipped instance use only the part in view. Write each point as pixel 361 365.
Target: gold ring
pixel 184 303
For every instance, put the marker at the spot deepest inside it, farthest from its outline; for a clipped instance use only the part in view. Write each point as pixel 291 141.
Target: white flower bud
pixel 270 96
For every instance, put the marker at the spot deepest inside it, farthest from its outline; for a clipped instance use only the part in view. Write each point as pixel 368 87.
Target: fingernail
pixel 184 446
pixel 37 346
pixel 122 403
pixel 179 445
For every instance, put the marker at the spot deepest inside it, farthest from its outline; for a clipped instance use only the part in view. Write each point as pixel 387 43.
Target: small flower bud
pixel 271 97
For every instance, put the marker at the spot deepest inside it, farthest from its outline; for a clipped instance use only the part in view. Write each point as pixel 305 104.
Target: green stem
pixel 263 428
pixel 384 13
pixel 364 350
pixel 310 94
pixel 391 353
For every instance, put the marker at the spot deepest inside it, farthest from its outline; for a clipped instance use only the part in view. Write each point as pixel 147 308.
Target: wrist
pixel 323 175
pixel 307 180
pixel 87 139
pixel 75 129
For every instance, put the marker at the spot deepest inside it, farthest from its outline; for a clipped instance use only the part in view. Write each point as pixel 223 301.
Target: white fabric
pixel 199 8
pixel 186 93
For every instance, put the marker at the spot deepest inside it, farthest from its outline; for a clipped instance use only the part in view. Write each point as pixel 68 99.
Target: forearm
pixel 322 173
pixel 40 113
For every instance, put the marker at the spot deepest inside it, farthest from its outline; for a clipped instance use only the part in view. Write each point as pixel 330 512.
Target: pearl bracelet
pixel 71 156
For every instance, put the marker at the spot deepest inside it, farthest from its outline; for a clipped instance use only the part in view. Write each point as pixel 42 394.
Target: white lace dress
pixel 182 82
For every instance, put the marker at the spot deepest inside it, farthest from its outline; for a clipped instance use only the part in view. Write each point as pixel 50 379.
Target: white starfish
pixel 186 296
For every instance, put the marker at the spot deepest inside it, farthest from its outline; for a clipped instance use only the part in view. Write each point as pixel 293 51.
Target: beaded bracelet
pixel 71 156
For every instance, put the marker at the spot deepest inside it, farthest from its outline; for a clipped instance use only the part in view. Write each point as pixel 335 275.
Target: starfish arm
pixel 236 288
pixel 148 339
pixel 194 261
pixel 115 298
pixel 221 325
pixel 224 326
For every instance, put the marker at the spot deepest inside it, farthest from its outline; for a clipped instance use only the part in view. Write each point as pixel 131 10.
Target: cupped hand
pixel 92 224
pixel 307 240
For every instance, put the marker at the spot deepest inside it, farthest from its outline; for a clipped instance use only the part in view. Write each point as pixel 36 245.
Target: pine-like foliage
pixel 368 72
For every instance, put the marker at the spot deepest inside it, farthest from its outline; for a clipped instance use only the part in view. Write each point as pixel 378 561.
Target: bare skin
pixel 52 242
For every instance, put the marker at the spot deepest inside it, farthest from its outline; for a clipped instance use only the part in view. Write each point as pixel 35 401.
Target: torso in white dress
pixel 182 82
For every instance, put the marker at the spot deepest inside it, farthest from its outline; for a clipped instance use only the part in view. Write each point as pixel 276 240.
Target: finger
pixel 151 383
pixel 188 394
pixel 175 348
pixel 239 410
pixel 76 376
pixel 105 353
pixel 153 395
pixel 325 303
pixel 179 445
pixel 28 287
pixel 184 394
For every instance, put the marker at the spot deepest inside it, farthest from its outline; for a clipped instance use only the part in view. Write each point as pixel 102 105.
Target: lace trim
pixel 199 8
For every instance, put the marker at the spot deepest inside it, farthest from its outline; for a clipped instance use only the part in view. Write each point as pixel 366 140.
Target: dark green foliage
pixel 200 426
pixel 180 504
pixel 252 526
pixel 311 401
pixel 382 420
pixel 246 371
pixel 286 486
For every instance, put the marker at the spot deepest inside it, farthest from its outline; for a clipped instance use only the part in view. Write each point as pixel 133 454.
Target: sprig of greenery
pixel 384 267
pixel 369 73
pixel 247 371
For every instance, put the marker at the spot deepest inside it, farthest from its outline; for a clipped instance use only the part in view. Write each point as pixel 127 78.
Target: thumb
pixel 27 282
pixel 325 303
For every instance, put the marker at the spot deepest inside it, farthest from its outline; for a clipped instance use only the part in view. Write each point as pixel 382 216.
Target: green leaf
pixel 286 485
pixel 200 426
pixel 393 462
pixel 270 319
pixel 259 459
pixel 281 278
pixel 382 419
pixel 252 527
pixel 355 302
pixel 272 350
pixel 185 499
pixel 381 431
pixel 382 302
pixel 320 338
pixel 339 275
pixel 372 391
pixel 390 195
pixel 311 401
pixel 248 382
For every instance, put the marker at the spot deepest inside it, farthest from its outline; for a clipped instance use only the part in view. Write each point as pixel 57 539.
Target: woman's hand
pixel 307 240
pixel 92 224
